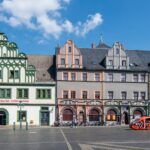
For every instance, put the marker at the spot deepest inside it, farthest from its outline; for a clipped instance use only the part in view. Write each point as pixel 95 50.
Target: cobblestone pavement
pixel 80 138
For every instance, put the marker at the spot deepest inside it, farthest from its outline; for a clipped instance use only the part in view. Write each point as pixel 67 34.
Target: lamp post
pixel 20 105
pixel 148 107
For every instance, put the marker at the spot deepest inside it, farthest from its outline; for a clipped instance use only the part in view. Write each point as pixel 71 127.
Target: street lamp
pixel 20 105
pixel 148 107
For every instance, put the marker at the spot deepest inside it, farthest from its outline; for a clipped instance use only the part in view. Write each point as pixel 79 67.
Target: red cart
pixel 142 123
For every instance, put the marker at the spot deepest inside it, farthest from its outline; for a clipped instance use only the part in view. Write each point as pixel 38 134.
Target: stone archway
pixel 94 115
pixel 4 116
pixel 67 115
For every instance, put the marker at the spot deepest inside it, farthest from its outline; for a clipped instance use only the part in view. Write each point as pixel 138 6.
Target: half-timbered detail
pixel 27 89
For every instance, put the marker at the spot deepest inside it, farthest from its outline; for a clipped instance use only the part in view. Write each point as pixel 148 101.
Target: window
pixel 110 94
pixel 142 78
pixel 110 62
pixel 123 77
pixel 73 76
pixel 124 95
pixel 124 63
pixel 84 76
pixel 143 95
pixel 65 94
pixel 76 61
pixel 65 76
pixel 135 95
pixel 62 61
pixel 97 77
pixel 14 74
pixel 117 50
pixel 84 94
pixel 21 116
pixel 45 108
pixel 135 77
pixel 0 74
pixel 73 94
pixel 111 115
pixel 69 49
pixel 43 93
pixel 5 93
pixel 22 93
pixel 110 77
pixel 97 94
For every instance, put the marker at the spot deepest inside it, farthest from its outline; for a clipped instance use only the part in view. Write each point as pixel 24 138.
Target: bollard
pixel 26 125
pixel 14 126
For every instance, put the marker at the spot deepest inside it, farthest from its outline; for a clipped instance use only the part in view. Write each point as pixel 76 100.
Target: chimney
pixel 93 45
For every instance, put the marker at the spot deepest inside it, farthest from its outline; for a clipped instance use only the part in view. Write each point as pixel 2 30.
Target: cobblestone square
pixel 79 138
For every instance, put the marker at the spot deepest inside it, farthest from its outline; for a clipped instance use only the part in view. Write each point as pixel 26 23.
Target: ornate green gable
pixel 14 66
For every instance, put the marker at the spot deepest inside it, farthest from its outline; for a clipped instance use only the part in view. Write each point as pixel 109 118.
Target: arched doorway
pixel 137 113
pixel 81 116
pixel 111 115
pixel 3 118
pixel 94 115
pixel 67 115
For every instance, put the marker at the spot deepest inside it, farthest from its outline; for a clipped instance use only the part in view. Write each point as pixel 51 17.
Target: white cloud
pixel 67 1
pixel 45 16
pixel 68 26
pixel 91 23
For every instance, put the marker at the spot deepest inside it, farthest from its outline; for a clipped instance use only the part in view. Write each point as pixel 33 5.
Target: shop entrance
pixel 2 118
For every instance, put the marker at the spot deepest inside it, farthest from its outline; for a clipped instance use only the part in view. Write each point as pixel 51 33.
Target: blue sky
pixel 38 27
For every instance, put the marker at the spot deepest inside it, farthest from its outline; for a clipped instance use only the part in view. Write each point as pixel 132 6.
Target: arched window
pixel 67 115
pixel 137 113
pixel 94 115
pixel 111 115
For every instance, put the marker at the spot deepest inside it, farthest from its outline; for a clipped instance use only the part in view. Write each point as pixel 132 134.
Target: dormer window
pixel 124 63
pixel 76 61
pixel 62 61
pixel 70 49
pixel 110 62
pixel 117 50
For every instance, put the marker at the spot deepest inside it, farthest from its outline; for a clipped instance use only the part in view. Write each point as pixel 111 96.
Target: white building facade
pixel 27 88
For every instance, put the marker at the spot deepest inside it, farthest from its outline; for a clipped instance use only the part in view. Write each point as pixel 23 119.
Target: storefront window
pixel 22 116
pixel 111 115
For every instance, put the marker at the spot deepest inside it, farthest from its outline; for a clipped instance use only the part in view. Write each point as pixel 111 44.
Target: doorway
pixel 81 117
pixel 2 118
pixel 44 118
pixel 126 118
pixel 68 115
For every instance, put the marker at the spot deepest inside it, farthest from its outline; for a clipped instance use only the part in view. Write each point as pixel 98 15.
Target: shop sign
pixel 138 103
pixel 111 103
pixel 13 101
pixel 125 103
